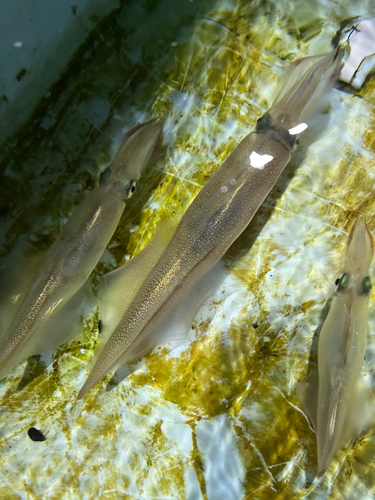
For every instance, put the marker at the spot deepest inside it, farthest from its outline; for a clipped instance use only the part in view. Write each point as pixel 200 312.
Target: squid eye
pixel 342 282
pixel 105 176
pixel 264 122
pixel 129 187
pixel 366 286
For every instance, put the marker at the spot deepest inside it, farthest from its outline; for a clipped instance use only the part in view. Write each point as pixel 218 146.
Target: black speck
pixel 100 326
pixel 74 9
pixel 20 74
pixel 4 98
pixel 255 325
pixel 36 435
pixel 337 281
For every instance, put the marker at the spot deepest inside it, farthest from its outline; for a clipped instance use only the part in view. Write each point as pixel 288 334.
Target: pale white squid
pixel 38 323
pixel 335 398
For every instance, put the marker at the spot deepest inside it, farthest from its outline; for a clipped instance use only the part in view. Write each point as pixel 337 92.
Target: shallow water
pixel 214 417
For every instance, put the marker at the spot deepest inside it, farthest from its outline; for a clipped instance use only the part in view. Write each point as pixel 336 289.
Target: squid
pixel 179 272
pixel 42 316
pixel 335 399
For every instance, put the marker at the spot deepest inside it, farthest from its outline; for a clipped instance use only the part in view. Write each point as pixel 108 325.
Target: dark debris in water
pixel 35 434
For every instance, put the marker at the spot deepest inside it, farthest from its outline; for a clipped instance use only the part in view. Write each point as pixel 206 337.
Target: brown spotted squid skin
pixel 77 249
pixel 217 216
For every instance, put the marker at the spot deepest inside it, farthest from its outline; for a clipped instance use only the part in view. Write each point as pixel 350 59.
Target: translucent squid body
pixel 335 400
pixel 173 278
pixel 38 325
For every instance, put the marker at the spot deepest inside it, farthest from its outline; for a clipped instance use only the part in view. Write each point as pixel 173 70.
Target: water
pixel 215 417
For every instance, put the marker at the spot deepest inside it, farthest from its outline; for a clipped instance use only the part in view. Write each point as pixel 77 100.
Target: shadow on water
pixel 34 368
pixel 312 372
pixel 120 375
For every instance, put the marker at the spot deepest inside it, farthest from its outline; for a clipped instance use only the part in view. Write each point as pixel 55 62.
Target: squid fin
pixel 65 323
pixel 118 288
pixel 178 323
pixel 307 394
pixel 360 413
pixel 17 275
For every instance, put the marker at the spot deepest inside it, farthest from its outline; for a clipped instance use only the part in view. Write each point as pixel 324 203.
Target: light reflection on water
pixel 217 417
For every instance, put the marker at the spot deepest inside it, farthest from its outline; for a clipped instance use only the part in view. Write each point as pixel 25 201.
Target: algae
pixel 220 410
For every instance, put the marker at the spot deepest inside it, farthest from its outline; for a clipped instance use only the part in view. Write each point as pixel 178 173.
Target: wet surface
pixel 215 416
